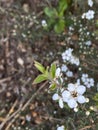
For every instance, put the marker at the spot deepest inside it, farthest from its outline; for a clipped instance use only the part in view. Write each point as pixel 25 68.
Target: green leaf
pixel 51 23
pixel 96 126
pixel 46 73
pixel 59 27
pixel 53 70
pixel 68 22
pixel 63 5
pixel 51 12
pixel 39 66
pixel 39 79
pixel 96 97
pixel 53 86
pixel 97 23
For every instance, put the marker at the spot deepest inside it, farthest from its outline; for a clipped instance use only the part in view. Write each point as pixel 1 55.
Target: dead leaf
pixel 20 61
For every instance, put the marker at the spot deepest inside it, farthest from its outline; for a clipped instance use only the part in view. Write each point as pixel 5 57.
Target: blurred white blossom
pixel 60 128
pixel 59 98
pixel 44 23
pixel 88 15
pixel 90 3
pixel 67 56
pixel 69 73
pixel 64 68
pixel 88 43
pixel 88 82
pixel 58 72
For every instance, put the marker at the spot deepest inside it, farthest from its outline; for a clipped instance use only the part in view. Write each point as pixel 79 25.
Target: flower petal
pixel 72 103
pixel 81 89
pixel 66 95
pixel 61 103
pixel 64 68
pixel 71 87
pixel 81 99
pixel 58 70
pixel 55 96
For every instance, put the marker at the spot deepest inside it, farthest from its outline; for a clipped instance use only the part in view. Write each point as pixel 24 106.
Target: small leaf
pixel 69 22
pixel 63 5
pixel 39 66
pixel 39 79
pixel 59 27
pixel 96 97
pixel 52 86
pixel 97 23
pixel 96 126
pixel 53 70
pixel 50 12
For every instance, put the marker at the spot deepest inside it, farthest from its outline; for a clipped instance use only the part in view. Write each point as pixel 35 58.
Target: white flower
pixel 78 82
pixel 44 23
pixel 60 128
pixel 58 79
pixel 75 60
pixel 88 43
pixel 81 99
pixel 71 28
pixel 28 118
pixel 83 15
pixel 91 108
pixel 67 54
pixel 64 68
pixel 72 103
pixel 87 100
pixel 87 113
pixel 84 77
pixel 88 33
pixel 58 72
pixel 69 74
pixel 76 109
pixel 88 15
pixel 90 3
pixel 61 102
pixel 88 82
pixel 74 94
pixel 55 96
pixel 59 98
pixel 68 57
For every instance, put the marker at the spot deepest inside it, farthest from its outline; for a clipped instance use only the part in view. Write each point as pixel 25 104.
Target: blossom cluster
pixel 67 56
pixel 66 70
pixel 90 13
pixel 72 84
pixel 73 94
pixel 89 82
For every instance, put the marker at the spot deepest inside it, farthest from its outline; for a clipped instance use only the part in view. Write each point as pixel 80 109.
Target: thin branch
pixel 87 127
pixel 8 117
pixel 21 108
pixel 5 79
pixel 33 96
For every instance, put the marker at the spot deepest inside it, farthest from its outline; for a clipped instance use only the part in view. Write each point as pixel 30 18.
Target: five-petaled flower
pixel 88 15
pixel 74 95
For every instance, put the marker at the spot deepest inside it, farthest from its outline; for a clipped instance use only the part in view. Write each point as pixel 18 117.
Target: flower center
pixel 74 94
